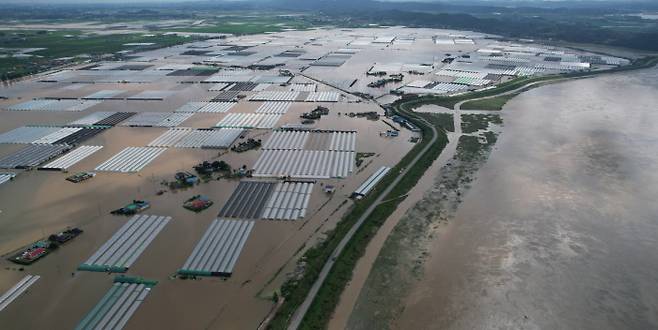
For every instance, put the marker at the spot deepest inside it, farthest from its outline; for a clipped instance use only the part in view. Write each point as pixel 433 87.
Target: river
pixel 560 230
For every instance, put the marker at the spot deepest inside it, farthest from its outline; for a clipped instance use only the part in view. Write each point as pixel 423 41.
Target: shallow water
pixel 561 228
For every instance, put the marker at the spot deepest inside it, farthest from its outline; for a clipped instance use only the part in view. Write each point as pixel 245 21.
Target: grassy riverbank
pixel 492 104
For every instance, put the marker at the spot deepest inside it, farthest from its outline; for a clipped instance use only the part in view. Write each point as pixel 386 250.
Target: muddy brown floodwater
pixel 560 230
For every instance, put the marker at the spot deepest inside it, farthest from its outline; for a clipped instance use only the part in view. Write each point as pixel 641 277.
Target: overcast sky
pixel 136 1
pixel 162 1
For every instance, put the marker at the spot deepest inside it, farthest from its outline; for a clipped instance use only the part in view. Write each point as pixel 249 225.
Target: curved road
pixel 303 308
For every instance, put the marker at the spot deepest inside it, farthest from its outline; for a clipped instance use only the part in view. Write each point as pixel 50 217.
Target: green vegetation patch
pixel 492 103
pixel 67 43
pixel 73 45
pixel 250 24
pixel 472 123
pixel 445 121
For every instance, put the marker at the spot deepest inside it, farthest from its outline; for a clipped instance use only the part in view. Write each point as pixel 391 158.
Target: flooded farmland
pixel 307 84
pixel 559 230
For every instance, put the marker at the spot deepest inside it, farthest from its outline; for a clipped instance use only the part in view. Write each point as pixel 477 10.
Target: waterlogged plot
pixel 115 119
pixel 27 134
pixel 248 200
pixel 249 120
pixel 103 95
pixel 323 97
pixel 170 137
pixel 201 138
pixel 262 87
pixel 72 158
pixel 289 96
pixel 191 107
pixel 15 291
pixel 372 181
pixel 117 306
pixel 274 108
pixel 271 79
pixel 218 251
pixel 151 95
pixel 31 105
pixel 81 135
pixel 131 159
pixel 461 73
pixel 303 87
pixel 464 41
pixel 287 140
pixel 207 107
pixel 443 41
pixel 268 121
pixel 210 138
pixel 449 87
pixel 194 139
pixel 226 96
pixel 92 119
pixel 53 105
pixel 343 141
pixel 243 86
pixel 243 120
pixel 304 164
pixel 158 119
pixel 5 177
pixel 147 119
pixel 229 78
pixel 57 135
pixel 219 87
pixel 312 140
pixel 288 201
pixel 32 156
pixel 126 245
pixel 216 107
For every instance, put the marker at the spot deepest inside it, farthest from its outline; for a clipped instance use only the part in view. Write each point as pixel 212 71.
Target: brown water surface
pixel 560 231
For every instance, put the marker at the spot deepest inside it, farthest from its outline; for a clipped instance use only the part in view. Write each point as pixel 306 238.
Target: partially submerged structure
pixel 117 306
pixel 136 206
pixel 126 245
pixel 4 177
pixel 131 159
pixel 81 176
pixel 198 203
pixel 371 182
pixel 219 249
pixel 41 248
pixel 17 290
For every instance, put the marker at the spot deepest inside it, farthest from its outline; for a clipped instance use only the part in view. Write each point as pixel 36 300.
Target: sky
pixel 171 1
